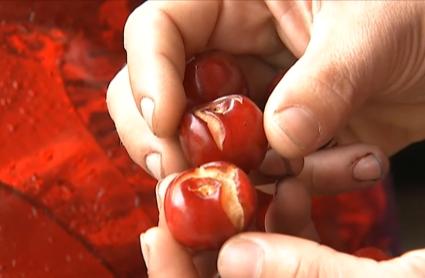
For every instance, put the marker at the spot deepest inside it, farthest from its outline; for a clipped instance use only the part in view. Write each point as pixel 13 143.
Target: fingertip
pixel 161 189
pixel 240 257
pixel 307 107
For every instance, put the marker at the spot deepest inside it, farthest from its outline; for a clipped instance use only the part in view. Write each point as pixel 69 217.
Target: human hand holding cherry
pixel 344 85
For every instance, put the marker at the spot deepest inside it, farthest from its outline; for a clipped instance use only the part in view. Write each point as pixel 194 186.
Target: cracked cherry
pixel 207 205
pixel 229 129
pixel 211 75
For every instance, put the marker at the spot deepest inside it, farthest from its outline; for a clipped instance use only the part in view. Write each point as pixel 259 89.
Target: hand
pixel 273 255
pixel 361 78
pixel 289 213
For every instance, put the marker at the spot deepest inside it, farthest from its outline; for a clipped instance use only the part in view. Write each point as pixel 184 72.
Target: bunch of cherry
pixel 222 137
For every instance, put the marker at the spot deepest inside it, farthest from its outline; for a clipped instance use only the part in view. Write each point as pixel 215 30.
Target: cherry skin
pixel 207 205
pixel 211 75
pixel 372 253
pixel 228 129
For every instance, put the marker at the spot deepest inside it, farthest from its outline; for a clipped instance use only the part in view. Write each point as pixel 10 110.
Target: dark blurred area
pixel 408 169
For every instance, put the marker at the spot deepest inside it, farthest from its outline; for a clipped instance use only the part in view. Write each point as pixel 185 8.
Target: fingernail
pixel 160 192
pixel 145 249
pixel 240 258
pixel 158 197
pixel 299 125
pixel 147 106
pixel 368 168
pixel 154 165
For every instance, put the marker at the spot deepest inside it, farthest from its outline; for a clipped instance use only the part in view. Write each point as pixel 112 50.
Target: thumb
pixel 273 255
pixel 318 94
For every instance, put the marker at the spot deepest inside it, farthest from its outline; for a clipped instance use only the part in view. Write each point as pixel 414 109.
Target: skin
pixel 359 77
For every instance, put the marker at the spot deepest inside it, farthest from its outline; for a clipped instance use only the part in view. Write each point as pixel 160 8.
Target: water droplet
pixel 46 268
pixel 80 256
pixel 34 183
pixel 137 201
pixel 34 212
pixel 21 111
pixel 50 239
pixel 31 120
pixel 10 127
pixel 31 16
pixel 8 100
pixel 68 258
pixel 13 263
pixel 30 93
pixel 100 193
pixel 2 102
pixel 15 84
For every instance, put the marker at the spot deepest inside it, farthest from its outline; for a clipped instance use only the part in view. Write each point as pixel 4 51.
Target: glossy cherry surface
pixel 205 206
pixel 211 75
pixel 372 253
pixel 229 129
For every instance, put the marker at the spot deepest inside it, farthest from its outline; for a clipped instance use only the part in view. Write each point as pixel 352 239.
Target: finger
pixel 289 212
pixel 344 168
pixel 164 257
pixel 272 255
pixel 317 95
pixel 293 23
pixel 275 165
pixel 158 156
pixel 158 36
pixel 259 74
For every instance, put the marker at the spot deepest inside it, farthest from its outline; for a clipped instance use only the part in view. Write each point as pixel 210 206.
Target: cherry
pixel 207 205
pixel 372 253
pixel 229 129
pixel 210 75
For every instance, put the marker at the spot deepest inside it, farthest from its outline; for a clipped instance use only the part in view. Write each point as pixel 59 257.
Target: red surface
pixel 59 147
pixel 72 204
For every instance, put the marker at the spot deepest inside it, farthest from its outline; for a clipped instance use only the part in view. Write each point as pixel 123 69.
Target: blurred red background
pixel 72 203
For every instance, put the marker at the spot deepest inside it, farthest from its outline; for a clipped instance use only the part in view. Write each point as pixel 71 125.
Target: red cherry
pixel 207 205
pixel 211 75
pixel 229 129
pixel 372 253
